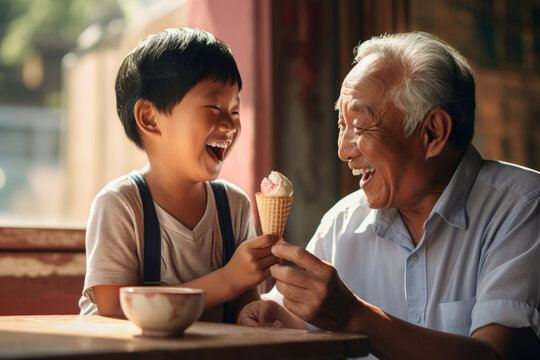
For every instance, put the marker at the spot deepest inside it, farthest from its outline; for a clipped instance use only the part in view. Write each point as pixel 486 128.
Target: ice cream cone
pixel 273 213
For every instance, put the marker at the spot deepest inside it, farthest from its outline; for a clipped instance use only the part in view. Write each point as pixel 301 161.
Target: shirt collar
pixel 387 224
pixel 452 205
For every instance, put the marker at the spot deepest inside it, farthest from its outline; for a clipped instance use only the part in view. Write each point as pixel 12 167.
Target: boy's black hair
pixel 165 66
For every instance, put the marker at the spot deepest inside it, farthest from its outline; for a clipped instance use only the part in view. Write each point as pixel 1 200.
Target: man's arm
pixel 317 295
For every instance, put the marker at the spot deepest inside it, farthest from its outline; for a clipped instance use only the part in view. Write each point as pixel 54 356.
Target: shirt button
pixel 415 257
pixel 417 318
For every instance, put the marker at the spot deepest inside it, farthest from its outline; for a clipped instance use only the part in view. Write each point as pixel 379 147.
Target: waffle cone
pixel 273 213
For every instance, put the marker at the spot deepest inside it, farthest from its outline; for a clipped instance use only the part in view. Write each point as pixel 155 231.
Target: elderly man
pixel 437 256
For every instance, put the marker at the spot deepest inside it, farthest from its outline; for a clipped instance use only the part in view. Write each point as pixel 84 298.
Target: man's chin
pixel 370 203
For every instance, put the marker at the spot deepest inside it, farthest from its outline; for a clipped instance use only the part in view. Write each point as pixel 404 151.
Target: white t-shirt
pixel 115 240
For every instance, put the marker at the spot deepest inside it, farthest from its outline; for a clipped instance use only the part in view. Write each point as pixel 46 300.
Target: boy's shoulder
pixel 124 190
pixel 234 192
pixel 121 189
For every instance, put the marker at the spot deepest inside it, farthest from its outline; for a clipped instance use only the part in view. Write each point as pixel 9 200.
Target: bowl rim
pixel 161 290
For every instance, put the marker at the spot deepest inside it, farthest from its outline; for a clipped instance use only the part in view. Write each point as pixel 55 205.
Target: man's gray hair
pixel 435 76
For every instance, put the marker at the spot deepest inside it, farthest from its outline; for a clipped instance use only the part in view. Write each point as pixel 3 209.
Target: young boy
pixel 177 98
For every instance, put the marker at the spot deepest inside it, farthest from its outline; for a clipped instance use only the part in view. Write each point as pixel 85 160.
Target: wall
pixel 41 270
pixel 500 39
pixel 304 68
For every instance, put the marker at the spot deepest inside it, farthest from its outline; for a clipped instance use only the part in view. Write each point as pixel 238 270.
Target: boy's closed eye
pixel 217 108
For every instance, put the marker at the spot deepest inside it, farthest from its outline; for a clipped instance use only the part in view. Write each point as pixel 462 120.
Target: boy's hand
pixel 250 263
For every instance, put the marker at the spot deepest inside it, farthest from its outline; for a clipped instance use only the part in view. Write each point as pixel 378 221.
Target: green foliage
pixel 27 24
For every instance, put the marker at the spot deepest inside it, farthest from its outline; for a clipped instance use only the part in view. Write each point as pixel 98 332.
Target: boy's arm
pixel 248 267
pixel 215 285
pixel 108 300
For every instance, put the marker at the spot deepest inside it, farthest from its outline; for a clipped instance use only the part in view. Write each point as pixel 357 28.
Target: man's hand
pixel 263 313
pixel 314 293
pixel 250 263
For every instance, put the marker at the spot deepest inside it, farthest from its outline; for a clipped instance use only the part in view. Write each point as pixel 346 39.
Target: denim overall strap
pixel 152 234
pixel 227 236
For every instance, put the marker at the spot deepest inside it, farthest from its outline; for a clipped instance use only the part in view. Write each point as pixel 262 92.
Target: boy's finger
pixel 260 253
pixel 262 241
pixel 269 261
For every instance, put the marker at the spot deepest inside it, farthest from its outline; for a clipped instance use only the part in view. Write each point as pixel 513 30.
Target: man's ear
pixel 146 117
pixel 436 129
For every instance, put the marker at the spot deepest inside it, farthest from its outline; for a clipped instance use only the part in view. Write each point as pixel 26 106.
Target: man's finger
pixel 298 308
pixel 292 292
pixel 297 255
pixel 290 275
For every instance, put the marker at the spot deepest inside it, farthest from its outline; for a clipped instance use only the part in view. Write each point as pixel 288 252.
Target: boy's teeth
pixel 220 145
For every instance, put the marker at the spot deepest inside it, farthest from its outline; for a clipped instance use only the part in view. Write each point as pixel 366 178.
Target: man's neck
pixel 443 169
pixel 415 217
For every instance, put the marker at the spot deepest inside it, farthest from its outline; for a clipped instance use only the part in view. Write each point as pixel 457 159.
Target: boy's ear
pixel 436 129
pixel 145 115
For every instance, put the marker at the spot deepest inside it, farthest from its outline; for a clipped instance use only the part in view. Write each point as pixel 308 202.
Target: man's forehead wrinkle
pixel 354 99
pixel 379 73
pixel 359 107
pixel 370 82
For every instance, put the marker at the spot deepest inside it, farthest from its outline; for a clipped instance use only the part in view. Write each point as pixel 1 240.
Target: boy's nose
pixel 226 122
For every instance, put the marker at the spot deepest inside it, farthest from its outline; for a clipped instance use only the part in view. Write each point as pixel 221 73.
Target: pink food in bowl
pixel 162 311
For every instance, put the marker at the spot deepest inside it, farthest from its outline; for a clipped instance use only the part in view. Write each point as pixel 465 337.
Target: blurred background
pixel 61 141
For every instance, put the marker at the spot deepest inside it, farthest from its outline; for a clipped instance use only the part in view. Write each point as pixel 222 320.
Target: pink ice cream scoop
pixel 276 184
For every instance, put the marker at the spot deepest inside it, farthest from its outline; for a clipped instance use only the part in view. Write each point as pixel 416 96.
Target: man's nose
pixel 347 147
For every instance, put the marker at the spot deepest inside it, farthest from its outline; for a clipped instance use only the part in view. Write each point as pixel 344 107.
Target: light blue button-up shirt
pixel 477 263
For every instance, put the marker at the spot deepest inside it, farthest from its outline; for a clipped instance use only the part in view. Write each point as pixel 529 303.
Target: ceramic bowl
pixel 162 311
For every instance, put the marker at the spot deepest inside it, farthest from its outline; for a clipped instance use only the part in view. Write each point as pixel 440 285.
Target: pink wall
pixel 245 26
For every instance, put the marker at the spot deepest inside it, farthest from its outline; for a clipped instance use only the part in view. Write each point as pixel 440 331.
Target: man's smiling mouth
pixel 365 172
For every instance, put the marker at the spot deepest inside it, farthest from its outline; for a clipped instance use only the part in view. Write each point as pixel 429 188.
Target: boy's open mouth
pixel 217 150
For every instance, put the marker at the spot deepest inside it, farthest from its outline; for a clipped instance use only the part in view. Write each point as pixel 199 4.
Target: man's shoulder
pixel 505 177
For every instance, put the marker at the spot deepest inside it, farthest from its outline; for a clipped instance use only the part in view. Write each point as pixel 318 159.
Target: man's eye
pixel 357 127
pixel 213 107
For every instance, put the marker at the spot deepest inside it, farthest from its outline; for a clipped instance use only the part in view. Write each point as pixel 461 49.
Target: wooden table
pixel 97 337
